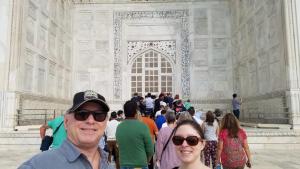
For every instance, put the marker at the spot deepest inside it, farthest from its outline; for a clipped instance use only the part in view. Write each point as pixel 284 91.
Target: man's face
pixel 85 133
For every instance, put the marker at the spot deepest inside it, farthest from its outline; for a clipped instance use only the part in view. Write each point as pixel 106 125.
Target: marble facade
pixel 51 49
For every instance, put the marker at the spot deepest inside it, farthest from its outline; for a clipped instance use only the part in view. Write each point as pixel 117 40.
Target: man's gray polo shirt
pixel 65 157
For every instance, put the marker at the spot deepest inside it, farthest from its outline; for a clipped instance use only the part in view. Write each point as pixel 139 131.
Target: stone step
pixel 258 138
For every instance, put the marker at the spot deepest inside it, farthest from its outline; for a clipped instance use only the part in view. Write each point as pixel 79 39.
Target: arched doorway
pixel 151 72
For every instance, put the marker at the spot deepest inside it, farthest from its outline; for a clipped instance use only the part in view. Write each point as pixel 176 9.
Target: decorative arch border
pixel 181 15
pixel 140 52
pixel 166 47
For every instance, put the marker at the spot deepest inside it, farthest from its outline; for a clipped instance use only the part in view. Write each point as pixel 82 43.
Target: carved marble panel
pixel 60 51
pixel 42 39
pixel 252 66
pixel 28 77
pixel 84 79
pixel 51 68
pixel 219 43
pixel 263 80
pixel 253 82
pixel 61 12
pixel 273 7
pixel 221 86
pixel 29 57
pixel 200 58
pixel 262 59
pixel 219 21
pixel 44 21
pixel 274 25
pixel 202 75
pixel 219 57
pixel 67 55
pixel 44 6
pixel 259 15
pixel 32 10
pixel 52 44
pixel 251 35
pixel 218 75
pixel 102 46
pixel 53 28
pixel 84 44
pixel 41 74
pixel 52 9
pixel 41 80
pixel 275 54
pixel 261 33
pixel 30 31
pixel 134 47
pixel 85 57
pixel 258 3
pixel 200 43
pixel 41 62
pixel 180 15
pixel 84 29
pixel 200 22
pixel 85 15
pixel 59 82
pixel 102 31
pixel 276 76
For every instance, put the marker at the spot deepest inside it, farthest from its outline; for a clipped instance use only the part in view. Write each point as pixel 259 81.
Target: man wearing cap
pixel 85 123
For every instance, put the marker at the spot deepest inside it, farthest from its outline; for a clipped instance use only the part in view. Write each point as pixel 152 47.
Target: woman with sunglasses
pixel 165 150
pixel 188 140
pixel 233 150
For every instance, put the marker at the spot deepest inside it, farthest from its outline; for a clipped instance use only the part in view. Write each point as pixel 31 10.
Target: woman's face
pixel 186 152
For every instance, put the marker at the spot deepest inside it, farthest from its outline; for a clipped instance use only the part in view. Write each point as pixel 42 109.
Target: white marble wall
pixel 201 31
pixel 292 26
pixel 211 77
pixel 6 103
pixel 36 42
pixel 45 61
pixel 259 69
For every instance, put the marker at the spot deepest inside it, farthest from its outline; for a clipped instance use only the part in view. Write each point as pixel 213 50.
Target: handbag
pixel 47 140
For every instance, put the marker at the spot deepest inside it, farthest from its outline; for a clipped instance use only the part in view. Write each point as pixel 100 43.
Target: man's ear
pixel 66 120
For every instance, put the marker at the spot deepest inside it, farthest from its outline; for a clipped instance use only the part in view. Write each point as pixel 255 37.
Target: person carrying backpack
pixel 233 150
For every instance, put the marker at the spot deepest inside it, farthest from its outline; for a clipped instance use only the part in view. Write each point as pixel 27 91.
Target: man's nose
pixel 91 119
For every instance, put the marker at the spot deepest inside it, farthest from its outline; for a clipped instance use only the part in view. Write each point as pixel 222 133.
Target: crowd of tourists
pixel 148 133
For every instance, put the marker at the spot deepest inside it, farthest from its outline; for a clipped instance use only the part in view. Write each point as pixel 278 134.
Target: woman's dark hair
pixel 192 123
pixel 130 108
pixel 210 118
pixel 230 123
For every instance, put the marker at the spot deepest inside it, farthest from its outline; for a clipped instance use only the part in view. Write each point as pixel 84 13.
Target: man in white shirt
pixel 111 138
pixel 191 110
pixel 163 106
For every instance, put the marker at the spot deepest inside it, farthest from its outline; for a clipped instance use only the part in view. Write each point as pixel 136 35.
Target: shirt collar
pixel 69 150
pixel 72 153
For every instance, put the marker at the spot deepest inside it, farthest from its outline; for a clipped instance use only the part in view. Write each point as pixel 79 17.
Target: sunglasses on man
pixel 190 140
pixel 82 115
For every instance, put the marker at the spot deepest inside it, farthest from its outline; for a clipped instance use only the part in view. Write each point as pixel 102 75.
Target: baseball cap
pixel 88 96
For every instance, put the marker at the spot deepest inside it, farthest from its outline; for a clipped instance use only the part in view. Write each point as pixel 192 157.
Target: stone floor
pixel 262 159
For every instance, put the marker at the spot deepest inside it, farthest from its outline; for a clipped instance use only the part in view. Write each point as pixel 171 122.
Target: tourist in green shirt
pixel 59 136
pixel 134 140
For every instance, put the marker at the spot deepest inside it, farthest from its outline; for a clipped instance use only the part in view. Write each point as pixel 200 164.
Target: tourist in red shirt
pixel 233 150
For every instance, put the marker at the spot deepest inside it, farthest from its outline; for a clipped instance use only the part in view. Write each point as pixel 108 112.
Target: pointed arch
pixel 151 71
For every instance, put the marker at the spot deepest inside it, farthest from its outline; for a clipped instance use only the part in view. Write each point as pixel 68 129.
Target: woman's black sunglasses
pixel 190 140
pixel 82 115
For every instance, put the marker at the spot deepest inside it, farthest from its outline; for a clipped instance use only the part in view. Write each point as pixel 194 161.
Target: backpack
pixel 235 153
